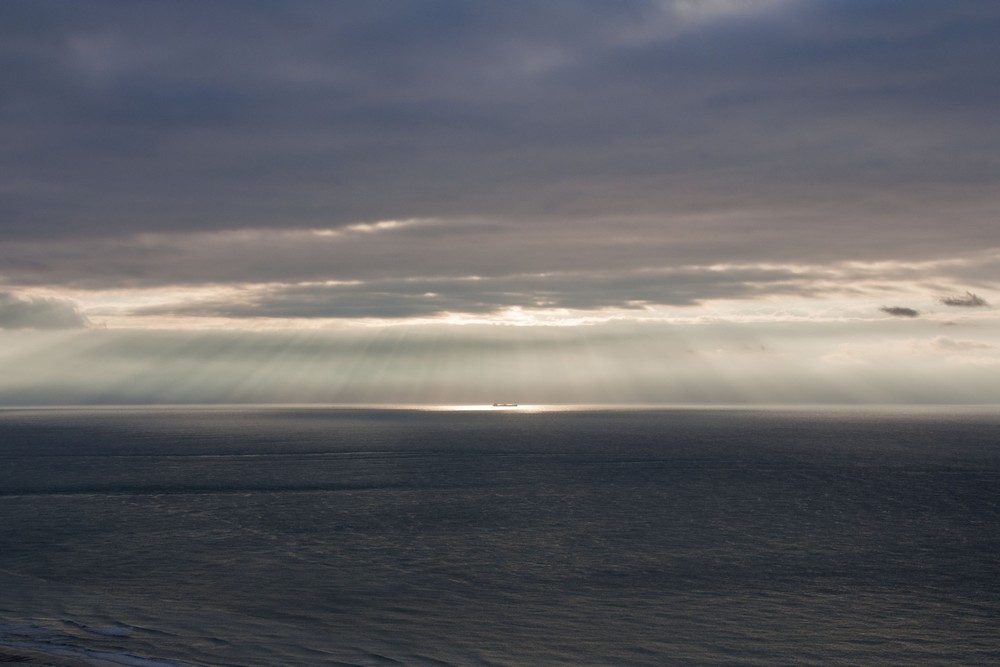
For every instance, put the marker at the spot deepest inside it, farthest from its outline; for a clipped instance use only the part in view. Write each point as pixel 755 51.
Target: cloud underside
pixel 416 297
pixel 324 115
pixel 422 268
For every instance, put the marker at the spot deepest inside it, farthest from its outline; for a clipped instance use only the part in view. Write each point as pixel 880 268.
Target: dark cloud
pixel 900 311
pixel 38 313
pixel 567 154
pixel 321 114
pixel 968 300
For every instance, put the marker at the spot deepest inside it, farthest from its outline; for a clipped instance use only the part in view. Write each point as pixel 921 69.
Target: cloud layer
pixel 318 115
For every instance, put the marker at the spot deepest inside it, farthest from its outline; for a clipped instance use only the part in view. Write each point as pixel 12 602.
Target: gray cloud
pixel 425 267
pixel 900 311
pixel 968 300
pixel 433 296
pixel 318 114
pixel 38 313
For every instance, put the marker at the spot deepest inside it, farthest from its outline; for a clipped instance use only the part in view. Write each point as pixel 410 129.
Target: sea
pixel 263 535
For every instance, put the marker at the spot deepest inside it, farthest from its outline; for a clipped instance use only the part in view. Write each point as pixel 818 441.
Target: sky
pixel 459 202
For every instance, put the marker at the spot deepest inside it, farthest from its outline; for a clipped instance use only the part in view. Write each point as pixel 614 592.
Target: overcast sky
pixel 615 201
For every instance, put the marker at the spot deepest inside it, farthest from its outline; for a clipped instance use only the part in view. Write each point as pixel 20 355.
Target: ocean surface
pixel 326 536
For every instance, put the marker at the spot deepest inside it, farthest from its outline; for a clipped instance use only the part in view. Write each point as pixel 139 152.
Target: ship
pixel 505 405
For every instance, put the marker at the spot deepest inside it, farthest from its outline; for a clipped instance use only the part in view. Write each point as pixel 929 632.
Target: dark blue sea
pixel 337 536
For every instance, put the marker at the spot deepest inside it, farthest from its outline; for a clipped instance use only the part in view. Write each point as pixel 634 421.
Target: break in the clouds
pixel 699 362
pixel 387 163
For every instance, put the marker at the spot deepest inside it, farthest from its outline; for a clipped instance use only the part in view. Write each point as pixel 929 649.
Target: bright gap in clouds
pixel 885 361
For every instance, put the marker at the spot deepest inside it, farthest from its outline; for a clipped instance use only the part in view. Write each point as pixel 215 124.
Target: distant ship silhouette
pixel 505 405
